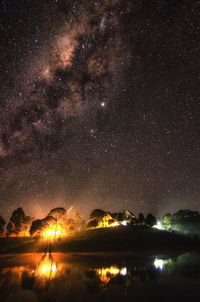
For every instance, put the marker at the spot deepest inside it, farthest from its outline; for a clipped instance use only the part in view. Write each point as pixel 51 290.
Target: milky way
pixel 99 105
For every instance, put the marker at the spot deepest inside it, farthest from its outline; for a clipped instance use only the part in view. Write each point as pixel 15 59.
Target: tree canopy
pixel 92 223
pixel 10 229
pixel 40 224
pixel 150 220
pixel 97 213
pixel 17 218
pixel 57 213
pixel 37 226
pixel 141 218
pixel 2 224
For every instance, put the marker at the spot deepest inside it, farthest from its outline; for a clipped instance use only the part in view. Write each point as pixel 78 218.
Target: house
pixel 107 221
pixel 125 217
pixel 102 222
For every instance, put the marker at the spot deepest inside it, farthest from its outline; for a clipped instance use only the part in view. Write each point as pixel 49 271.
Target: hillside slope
pixel 124 239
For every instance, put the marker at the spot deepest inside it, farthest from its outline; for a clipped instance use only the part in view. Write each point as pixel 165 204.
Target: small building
pixel 108 221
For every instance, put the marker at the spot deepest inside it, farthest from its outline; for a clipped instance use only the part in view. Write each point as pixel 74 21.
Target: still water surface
pixel 66 277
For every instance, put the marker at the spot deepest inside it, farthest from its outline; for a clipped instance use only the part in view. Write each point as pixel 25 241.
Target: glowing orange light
pixel 105 222
pixel 52 233
pixel 47 268
pixel 114 271
pixel 107 273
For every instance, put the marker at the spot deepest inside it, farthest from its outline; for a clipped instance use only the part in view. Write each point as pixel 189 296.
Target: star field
pixel 99 105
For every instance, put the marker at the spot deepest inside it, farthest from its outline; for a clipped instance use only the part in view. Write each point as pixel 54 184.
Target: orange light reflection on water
pixel 46 268
pixel 106 274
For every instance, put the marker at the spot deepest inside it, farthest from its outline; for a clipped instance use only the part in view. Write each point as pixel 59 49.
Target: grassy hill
pixel 19 245
pixel 118 239
pixel 125 239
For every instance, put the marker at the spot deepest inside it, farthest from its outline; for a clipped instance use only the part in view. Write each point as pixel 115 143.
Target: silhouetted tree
pixel 37 226
pixel 21 222
pixel 10 229
pixel 97 213
pixel 141 218
pixel 57 213
pixel 185 214
pixel 26 224
pixel 92 223
pixel 17 218
pixel 121 216
pixel 27 280
pixel 150 220
pixel 49 220
pixel 2 224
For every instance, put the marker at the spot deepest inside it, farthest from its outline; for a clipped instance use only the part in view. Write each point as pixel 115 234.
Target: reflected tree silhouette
pixel 28 280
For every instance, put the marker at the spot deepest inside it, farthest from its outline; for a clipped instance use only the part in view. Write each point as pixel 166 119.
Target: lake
pixel 99 277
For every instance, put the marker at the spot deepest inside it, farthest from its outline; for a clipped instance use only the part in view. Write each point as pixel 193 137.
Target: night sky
pixel 99 105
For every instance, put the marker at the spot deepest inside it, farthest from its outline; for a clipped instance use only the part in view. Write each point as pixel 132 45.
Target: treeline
pixel 123 218
pixel 184 221
pixel 21 225
pixel 58 219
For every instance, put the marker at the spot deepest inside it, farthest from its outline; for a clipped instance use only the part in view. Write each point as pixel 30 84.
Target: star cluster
pixel 99 105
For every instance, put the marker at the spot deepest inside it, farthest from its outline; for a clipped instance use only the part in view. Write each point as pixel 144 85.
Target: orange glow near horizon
pixel 53 232
pixel 46 269
pixel 107 273
pixel 50 234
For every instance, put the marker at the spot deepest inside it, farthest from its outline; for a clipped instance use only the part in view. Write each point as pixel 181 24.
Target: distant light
pixel 44 269
pixel 53 268
pixel 158 226
pixel 123 271
pixel 103 104
pixel 114 270
pixel 159 263
pixel 116 223
pixel 124 222
pixel 50 234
